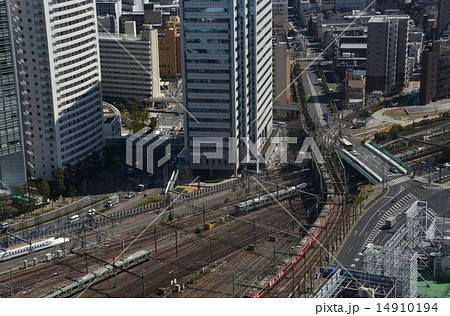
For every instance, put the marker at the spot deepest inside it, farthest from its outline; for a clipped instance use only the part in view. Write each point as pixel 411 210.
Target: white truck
pixel 113 201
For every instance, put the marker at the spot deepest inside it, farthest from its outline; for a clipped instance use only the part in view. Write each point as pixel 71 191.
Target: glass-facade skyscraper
pixel 227 79
pixel 12 162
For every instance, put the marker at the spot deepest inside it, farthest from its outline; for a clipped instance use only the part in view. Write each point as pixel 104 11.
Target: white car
pixel 354 153
pixel 129 195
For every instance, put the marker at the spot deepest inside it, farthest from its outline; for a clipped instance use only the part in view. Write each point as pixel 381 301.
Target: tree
pixel 72 191
pixel 446 115
pixel 44 190
pixel 58 175
pixel 135 183
pixel 6 208
pixel 134 110
pixel 395 129
pixel 19 191
pixel 137 126
pixel 31 188
pixel 364 114
pixel 122 108
pixel 142 115
pixel 83 185
pixel 153 123
pixel 129 186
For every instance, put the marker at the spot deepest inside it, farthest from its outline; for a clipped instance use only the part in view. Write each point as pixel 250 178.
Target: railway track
pixel 59 272
pixel 39 280
pixel 237 237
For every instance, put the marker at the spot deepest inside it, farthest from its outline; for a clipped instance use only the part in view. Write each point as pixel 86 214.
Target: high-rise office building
pixel 12 160
pixel 281 67
pixel 227 78
pixel 108 15
pixel 59 82
pixel 347 5
pixel 443 19
pixel 435 77
pixel 132 5
pixel 170 50
pixel 387 38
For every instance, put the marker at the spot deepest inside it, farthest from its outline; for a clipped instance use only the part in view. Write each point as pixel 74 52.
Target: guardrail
pixel 386 158
pixel 391 155
pixel 362 168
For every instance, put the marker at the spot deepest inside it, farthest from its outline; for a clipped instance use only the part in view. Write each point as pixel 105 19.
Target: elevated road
pixel 362 168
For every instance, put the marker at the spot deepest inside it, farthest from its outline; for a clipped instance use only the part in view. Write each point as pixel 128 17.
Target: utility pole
pixel 143 284
pixel 11 286
pixel 254 232
pixel 85 258
pixel 195 272
pixel 176 244
pixel 293 279
pixel 234 283
pixel 154 234
pixel 204 216
pixel 274 255
pixel 64 246
pixel 115 276
pixel 211 248
pixel 293 226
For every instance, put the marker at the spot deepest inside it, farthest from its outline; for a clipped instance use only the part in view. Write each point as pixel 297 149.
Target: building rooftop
pixel 356 84
pixel 430 288
pixel 359 72
pixel 378 19
pixel 354 46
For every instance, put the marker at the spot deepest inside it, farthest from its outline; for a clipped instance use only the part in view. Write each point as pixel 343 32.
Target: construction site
pixel 414 262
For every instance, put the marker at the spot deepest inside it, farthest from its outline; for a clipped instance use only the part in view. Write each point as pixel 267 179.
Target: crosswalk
pixel 398 180
pixel 394 210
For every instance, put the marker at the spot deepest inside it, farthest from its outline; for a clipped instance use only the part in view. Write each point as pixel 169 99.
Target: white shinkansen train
pixel 23 250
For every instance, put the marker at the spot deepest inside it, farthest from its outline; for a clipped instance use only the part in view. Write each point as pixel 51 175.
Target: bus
pixel 346 144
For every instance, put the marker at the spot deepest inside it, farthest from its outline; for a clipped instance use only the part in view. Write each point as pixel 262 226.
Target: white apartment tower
pixel 227 80
pixel 59 81
pixel 130 64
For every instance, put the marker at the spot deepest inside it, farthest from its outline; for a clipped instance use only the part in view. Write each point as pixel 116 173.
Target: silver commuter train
pixel 269 198
pixel 100 274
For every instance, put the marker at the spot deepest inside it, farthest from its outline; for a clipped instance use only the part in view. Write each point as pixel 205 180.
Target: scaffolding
pixel 347 284
pixel 441 228
pixel 398 258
